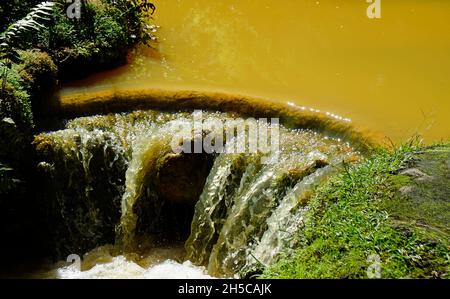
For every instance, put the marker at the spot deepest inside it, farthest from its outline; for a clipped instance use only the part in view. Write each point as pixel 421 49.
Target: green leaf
pixel 32 22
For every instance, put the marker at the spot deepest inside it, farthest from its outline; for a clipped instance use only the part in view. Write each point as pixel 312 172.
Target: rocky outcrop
pixel 424 189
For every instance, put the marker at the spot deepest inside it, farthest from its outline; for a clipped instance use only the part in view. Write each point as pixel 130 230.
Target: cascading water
pixel 115 179
pixel 235 214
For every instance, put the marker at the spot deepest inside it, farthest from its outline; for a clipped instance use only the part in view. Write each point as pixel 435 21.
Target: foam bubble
pixel 120 268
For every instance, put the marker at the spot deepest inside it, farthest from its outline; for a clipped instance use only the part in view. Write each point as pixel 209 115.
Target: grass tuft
pixel 349 222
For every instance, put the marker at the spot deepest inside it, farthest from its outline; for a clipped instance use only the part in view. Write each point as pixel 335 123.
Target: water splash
pixel 233 223
pixel 121 268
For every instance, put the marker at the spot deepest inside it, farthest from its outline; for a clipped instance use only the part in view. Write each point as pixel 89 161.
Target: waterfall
pixel 115 179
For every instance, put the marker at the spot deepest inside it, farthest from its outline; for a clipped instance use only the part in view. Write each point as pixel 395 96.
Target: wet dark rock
pixel 180 177
pixel 80 196
pixel 166 207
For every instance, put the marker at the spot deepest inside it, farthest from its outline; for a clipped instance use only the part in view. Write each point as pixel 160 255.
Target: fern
pixel 10 39
pixel 33 21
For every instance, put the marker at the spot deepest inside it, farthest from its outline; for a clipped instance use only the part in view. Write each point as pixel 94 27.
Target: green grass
pixel 349 220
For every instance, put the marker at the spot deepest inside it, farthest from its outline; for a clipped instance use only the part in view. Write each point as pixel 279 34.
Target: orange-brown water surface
pixel 391 75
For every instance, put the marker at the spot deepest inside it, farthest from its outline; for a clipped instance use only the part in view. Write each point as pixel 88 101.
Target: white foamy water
pixel 120 268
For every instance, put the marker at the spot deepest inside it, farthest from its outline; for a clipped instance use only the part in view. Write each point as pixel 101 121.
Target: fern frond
pixel 9 40
pixel 32 21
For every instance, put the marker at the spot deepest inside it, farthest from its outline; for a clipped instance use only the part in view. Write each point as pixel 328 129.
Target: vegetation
pixel 353 221
pixel 62 48
pixel 99 39
pixel 358 214
pixel 75 47
pixel 39 46
pixel 14 101
pixel 13 10
pixel 12 38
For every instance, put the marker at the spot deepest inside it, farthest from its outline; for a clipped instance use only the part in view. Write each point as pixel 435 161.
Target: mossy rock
pixel 394 205
pixel 423 200
pixel 39 77
pixel 81 191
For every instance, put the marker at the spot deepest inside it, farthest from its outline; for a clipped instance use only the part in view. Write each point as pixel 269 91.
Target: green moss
pixel 64 48
pixel 39 78
pixel 426 202
pixel 16 102
pixel 82 185
pixel 359 213
pixel 36 68
pixel 28 85
pixel 98 40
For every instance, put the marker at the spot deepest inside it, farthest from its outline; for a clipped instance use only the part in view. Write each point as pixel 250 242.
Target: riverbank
pixel 386 217
pixel 107 178
pixel 42 46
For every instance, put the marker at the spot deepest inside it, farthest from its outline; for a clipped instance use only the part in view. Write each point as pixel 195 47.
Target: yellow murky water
pixel 391 74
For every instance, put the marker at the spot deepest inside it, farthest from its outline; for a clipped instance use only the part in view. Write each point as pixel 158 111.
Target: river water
pixel 390 74
pixel 115 179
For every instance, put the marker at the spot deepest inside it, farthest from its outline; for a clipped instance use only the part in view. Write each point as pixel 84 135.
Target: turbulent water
pixel 104 263
pixel 120 268
pixel 115 179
